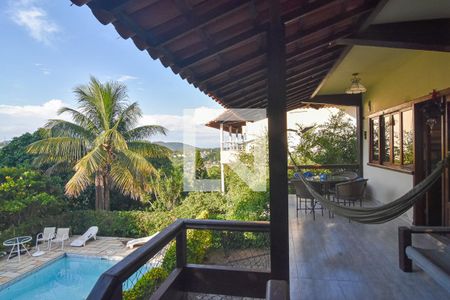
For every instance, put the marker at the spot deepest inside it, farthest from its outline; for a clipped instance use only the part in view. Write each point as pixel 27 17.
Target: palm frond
pixel 149 150
pixel 93 161
pixel 81 119
pixel 128 117
pixel 78 183
pixel 68 148
pixel 113 139
pixel 135 163
pixel 85 170
pixel 126 183
pixel 143 132
pixel 61 128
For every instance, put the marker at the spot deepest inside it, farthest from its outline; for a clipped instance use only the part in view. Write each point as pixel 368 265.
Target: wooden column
pixel 277 129
pixel 360 134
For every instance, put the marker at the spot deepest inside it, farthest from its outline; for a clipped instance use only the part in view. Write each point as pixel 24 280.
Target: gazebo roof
pixel 221 46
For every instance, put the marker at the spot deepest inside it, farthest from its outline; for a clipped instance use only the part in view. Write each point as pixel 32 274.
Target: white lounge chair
pixel 62 234
pixel 46 236
pixel 89 234
pixel 140 241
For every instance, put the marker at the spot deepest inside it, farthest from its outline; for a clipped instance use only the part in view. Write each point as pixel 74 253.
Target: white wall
pixel 384 185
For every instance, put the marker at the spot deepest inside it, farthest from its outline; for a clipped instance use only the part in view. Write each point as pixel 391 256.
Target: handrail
pixel 325 166
pixel 109 285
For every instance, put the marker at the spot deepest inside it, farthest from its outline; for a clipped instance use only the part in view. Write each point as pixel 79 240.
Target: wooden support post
pixel 404 240
pixel 360 134
pixel 277 129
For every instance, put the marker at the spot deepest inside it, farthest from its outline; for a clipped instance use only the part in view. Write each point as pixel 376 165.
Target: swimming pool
pixel 69 277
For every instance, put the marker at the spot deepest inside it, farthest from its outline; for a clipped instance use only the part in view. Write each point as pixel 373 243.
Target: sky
pixel 49 47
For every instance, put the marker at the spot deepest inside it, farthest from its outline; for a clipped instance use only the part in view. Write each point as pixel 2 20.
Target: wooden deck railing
pixel 206 279
pixel 330 167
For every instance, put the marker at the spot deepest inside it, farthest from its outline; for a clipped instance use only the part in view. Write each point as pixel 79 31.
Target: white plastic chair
pixel 62 234
pixel 46 236
pixel 89 234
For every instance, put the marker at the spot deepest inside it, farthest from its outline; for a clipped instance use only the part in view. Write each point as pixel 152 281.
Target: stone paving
pixel 110 247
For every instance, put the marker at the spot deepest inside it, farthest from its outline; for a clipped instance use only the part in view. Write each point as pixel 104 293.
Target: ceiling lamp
pixel 356 87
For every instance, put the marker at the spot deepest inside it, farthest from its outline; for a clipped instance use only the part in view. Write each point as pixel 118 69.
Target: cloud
pixel 16 119
pixel 176 124
pixel 34 19
pixel 124 78
pixel 44 70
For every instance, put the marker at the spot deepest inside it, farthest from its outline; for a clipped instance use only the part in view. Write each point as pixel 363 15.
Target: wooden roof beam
pixel 338 99
pixel 255 32
pixel 219 12
pixel 302 55
pixel 432 35
pixel 241 39
pixel 330 23
pixel 302 51
pixel 294 70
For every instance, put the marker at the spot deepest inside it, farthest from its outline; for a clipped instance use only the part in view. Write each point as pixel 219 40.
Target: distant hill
pixel 178 147
pixel 174 146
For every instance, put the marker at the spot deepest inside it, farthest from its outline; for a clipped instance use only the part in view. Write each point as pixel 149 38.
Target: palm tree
pixel 102 143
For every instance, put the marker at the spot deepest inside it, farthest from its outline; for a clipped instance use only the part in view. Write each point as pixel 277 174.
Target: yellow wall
pixel 414 78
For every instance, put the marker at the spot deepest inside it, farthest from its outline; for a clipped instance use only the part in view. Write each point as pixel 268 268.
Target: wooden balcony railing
pixel 206 278
pixel 326 167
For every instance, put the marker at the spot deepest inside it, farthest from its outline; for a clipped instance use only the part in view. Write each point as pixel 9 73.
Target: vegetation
pixel 47 178
pixel 333 142
pixel 103 144
pixel 14 153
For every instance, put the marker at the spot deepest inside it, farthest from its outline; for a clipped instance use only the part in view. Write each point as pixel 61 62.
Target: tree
pixel 14 154
pixel 200 169
pixel 102 143
pixel 25 194
pixel 333 142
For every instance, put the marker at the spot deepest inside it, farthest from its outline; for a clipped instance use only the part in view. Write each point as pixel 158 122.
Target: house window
pixel 392 139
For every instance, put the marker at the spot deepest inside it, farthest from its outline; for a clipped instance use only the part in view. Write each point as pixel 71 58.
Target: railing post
pixel 404 240
pixel 181 248
pixel 117 295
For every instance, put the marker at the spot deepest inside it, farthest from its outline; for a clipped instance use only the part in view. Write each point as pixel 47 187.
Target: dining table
pixel 324 183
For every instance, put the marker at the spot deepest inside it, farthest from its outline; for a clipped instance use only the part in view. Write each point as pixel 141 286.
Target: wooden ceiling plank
pixel 221 11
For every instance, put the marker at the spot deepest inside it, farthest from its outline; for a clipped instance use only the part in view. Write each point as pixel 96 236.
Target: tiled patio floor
pixel 111 247
pixel 335 259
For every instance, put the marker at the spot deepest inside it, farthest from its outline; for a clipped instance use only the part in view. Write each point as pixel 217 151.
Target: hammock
pixel 383 213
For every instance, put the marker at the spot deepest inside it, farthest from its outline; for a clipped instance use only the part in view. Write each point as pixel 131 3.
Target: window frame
pixel 391 164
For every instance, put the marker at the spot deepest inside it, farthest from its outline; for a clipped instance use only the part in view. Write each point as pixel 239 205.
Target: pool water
pixel 69 277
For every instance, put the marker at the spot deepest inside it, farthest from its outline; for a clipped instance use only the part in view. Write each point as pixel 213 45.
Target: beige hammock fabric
pixel 383 213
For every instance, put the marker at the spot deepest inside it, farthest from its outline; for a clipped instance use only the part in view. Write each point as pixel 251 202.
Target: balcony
pixel 329 259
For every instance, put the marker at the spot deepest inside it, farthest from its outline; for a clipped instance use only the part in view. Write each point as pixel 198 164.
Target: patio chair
pixel 62 234
pixel 304 196
pixel 351 191
pixel 350 174
pixel 46 236
pixel 91 233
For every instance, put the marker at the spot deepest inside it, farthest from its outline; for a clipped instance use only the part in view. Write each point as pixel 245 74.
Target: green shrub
pixel 146 285
pixel 198 244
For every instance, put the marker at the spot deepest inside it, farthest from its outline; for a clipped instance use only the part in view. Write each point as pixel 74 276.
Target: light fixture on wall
pixel 356 87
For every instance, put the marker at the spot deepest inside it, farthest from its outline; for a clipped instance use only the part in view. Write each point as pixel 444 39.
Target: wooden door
pixel 446 180
pixel 429 150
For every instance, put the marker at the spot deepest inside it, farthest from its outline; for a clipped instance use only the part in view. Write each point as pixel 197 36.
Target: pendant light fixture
pixel 356 87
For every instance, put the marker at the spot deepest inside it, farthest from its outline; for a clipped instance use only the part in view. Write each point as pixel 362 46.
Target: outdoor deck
pixel 111 247
pixel 335 259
